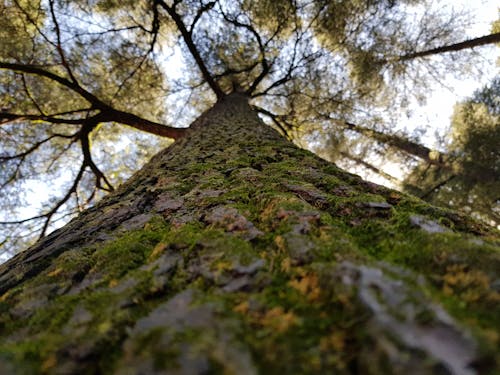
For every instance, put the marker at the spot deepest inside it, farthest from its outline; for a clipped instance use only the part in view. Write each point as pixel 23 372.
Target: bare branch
pixel 6 117
pixel 263 60
pixel 59 48
pixel 48 216
pixel 408 146
pixel 200 13
pixel 22 221
pixel 34 23
pixel 467 44
pixel 39 71
pixel 192 47
pixel 14 175
pixel 438 186
pixel 155 29
pixel 28 92
pixel 294 65
pixel 88 162
pixel 126 118
pixel 107 113
pixel 283 127
pixel 35 147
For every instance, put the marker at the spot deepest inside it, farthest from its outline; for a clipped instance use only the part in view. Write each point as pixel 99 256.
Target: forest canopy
pixel 90 89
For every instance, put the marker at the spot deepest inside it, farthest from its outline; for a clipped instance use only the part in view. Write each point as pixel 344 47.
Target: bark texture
pixel 235 252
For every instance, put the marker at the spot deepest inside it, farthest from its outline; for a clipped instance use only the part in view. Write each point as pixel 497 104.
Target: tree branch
pixel 200 12
pixel 6 117
pixel 39 71
pixel 192 48
pixel 107 113
pixel 155 29
pixel 126 118
pixel 289 72
pixel 470 43
pixel 72 189
pixel 48 215
pixel 35 147
pixel 88 162
pixel 438 186
pixel 430 156
pixel 275 119
pixel 27 91
pixel 262 50
pixel 59 48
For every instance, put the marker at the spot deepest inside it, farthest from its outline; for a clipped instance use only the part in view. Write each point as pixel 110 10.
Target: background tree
pixel 471 177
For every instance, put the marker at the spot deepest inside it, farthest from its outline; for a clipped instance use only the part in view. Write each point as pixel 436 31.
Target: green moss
pixel 54 316
pixel 128 252
pixel 293 315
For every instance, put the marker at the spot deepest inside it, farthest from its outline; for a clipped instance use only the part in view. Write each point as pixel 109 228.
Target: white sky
pixel 436 114
pixel 441 101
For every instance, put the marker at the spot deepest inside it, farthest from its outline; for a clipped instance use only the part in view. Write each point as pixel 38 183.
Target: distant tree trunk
pixel 467 44
pixel 235 252
pixel 370 167
pixel 401 143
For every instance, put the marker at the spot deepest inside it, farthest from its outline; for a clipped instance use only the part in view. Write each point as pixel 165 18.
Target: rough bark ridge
pixel 233 251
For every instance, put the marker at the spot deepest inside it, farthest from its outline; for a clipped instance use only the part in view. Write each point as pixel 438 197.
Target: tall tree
pixel 233 250
pixel 471 178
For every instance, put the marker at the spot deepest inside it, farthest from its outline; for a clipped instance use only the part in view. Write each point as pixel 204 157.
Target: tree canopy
pixel 90 89
pixel 470 179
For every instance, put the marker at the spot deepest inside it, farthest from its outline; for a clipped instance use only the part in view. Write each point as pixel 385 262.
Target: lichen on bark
pixel 233 251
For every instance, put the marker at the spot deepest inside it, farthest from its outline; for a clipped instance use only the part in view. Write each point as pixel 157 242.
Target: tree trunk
pixel 233 251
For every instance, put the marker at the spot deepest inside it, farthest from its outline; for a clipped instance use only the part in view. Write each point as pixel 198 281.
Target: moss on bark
pixel 234 251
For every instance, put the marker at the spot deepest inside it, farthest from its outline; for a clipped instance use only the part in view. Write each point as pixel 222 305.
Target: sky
pixel 440 103
pixel 435 115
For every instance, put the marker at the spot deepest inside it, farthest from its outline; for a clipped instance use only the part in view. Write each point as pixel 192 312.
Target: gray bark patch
pixel 166 203
pixel 232 221
pixel 310 194
pixel 378 205
pixel 405 322
pixel 176 314
pixel 427 225
pixel 136 222
pixel 299 247
pixel 251 268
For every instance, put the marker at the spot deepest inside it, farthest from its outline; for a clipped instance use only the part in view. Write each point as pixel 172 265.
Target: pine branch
pixel 187 37
pixel 467 44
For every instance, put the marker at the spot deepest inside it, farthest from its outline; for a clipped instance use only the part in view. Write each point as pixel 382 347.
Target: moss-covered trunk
pixel 235 252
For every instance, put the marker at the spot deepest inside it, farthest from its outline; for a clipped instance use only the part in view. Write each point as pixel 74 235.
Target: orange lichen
pixel 242 308
pixel 49 363
pixel 307 285
pixel 278 319
pixel 469 285
pixel 335 341
pixel 54 273
pixel 280 243
pixel 286 265
pixel 158 249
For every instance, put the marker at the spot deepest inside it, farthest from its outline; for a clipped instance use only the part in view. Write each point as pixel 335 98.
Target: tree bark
pixel 233 251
